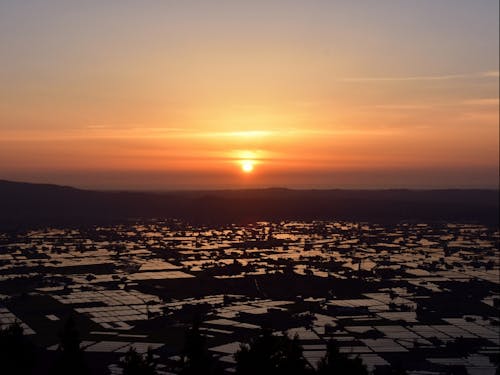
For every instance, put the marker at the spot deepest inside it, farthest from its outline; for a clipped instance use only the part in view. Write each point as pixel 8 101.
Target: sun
pixel 247 166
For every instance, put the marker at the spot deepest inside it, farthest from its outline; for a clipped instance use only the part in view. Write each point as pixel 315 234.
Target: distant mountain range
pixel 41 204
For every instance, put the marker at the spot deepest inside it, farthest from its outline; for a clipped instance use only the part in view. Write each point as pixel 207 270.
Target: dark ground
pixel 37 204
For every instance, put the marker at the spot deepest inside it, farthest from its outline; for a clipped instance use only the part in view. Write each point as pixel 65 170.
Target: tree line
pixel 267 353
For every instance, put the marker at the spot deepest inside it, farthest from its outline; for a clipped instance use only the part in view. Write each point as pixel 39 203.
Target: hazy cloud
pixel 488 74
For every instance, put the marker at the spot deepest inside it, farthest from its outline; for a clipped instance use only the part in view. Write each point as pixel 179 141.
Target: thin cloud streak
pixel 488 74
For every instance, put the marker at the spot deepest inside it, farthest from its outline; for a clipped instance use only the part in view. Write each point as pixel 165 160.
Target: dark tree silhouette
pixel 17 354
pixel 334 363
pixel 136 364
pixel 271 354
pixel 195 357
pixel 457 370
pixel 70 359
pixel 392 370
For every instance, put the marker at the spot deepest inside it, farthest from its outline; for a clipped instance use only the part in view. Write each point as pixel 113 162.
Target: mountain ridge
pixel 23 203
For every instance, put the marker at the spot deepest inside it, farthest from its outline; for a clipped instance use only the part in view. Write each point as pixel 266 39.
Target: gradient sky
pixel 166 94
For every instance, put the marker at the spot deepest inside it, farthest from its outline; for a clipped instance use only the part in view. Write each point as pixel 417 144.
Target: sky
pixel 212 94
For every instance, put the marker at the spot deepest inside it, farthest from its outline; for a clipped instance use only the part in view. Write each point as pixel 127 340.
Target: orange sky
pixel 315 95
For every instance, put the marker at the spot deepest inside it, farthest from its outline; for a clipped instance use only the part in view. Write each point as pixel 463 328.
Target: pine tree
pixel 271 354
pixel 336 363
pixel 71 359
pixel 195 357
pixel 136 364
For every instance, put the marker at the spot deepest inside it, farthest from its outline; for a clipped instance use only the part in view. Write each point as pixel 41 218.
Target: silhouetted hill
pixel 28 204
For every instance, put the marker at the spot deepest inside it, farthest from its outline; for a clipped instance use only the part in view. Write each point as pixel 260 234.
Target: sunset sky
pixel 167 94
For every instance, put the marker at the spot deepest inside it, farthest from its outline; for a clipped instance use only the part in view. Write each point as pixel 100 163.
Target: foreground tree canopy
pixel 267 353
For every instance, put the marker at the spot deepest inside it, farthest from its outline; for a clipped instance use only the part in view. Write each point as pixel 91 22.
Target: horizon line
pixel 254 188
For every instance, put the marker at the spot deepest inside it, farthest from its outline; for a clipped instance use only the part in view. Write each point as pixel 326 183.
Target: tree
pixel 336 363
pixel 392 370
pixel 195 357
pixel 136 364
pixel 71 359
pixel 17 354
pixel 271 354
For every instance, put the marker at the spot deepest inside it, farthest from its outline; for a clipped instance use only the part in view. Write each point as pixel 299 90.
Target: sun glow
pixel 247 166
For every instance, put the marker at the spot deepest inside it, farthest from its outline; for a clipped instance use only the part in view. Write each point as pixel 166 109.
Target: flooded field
pixel 424 297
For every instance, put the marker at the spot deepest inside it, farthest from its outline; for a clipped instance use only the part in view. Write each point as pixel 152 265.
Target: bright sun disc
pixel 247 166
